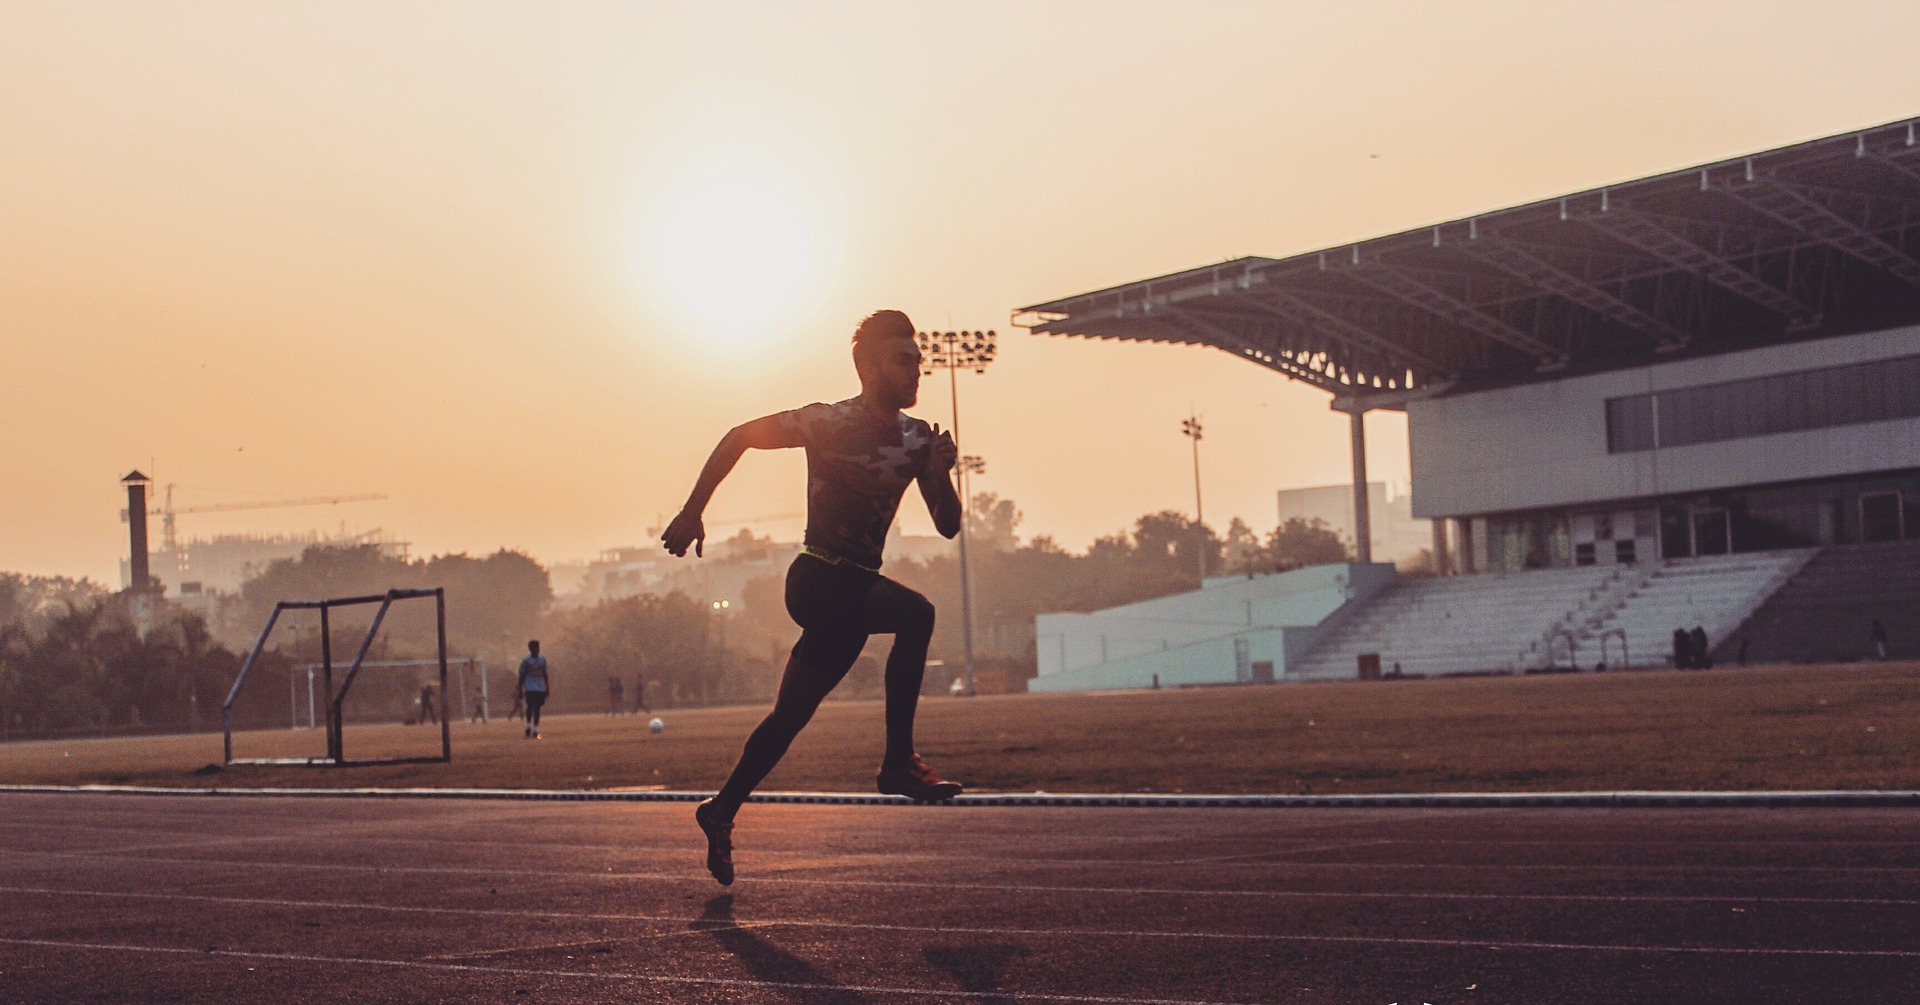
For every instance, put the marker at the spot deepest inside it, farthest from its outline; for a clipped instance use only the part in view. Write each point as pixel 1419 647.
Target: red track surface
pixel 127 898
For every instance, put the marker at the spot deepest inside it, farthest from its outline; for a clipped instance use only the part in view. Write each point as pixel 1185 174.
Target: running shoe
pixel 916 781
pixel 719 842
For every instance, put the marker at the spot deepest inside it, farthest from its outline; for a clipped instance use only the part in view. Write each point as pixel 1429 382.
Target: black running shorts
pixel 828 601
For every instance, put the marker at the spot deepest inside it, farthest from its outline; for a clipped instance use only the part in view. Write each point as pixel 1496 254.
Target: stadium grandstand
pixel 1691 399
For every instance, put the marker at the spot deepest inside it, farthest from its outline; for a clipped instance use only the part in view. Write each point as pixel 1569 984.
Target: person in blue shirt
pixel 533 686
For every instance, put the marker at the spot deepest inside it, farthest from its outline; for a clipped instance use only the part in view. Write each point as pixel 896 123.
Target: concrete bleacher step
pixel 1509 623
pixel 1466 624
pixel 1717 594
pixel 1824 613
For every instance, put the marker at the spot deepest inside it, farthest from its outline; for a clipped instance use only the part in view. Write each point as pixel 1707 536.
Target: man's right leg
pixel 802 689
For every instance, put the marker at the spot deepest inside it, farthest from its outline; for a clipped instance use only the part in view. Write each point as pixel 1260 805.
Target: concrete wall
pixel 1208 636
pixel 1544 445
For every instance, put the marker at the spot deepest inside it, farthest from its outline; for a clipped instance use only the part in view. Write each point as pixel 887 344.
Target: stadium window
pixel 1630 424
pixel 1881 391
pixel 1623 551
pixel 1583 553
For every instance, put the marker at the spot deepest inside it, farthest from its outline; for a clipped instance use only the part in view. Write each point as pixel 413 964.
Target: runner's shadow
pixel 979 970
pixel 768 962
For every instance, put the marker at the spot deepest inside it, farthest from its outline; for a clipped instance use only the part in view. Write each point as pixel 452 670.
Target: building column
pixel 1442 561
pixel 1362 525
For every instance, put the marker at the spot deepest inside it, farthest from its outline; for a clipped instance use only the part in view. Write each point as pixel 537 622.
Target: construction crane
pixel 754 521
pixel 166 511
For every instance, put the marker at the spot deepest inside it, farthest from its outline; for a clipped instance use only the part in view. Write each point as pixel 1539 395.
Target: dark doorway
pixel 1880 517
pixel 1710 536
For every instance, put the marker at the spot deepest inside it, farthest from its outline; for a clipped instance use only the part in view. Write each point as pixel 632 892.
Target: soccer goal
pixel 335 698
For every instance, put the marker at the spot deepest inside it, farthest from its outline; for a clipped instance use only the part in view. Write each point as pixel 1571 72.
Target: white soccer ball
pixel 656 725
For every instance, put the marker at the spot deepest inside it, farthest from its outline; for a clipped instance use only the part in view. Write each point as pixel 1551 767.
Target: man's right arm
pixel 769 432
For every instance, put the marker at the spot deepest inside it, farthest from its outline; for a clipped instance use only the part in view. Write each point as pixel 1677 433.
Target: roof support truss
pixel 1324 378
pixel 1397 284
pixel 1641 231
pixel 1800 209
pixel 1291 308
pixel 1522 263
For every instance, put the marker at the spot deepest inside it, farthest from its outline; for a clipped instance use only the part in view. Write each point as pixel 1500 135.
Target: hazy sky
pixel 517 266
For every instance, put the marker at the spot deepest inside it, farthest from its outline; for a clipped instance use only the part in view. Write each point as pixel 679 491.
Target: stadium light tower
pixel 720 609
pixel 953 352
pixel 1190 427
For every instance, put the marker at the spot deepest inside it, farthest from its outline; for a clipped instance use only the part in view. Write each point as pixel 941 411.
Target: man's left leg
pixel 907 616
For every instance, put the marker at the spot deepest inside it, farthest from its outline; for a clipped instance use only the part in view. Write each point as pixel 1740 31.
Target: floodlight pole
pixel 720 609
pixel 293 684
pixel 1190 427
pixel 954 351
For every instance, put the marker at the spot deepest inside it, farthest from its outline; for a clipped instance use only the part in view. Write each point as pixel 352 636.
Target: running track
pixel 196 899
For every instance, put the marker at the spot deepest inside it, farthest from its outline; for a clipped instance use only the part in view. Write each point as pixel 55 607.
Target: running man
pixel 862 453
pixel 533 687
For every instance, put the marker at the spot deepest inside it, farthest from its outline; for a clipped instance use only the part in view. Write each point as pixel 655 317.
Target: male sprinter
pixel 861 455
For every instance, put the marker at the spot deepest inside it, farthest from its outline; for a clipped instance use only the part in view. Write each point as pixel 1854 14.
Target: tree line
pixel 77 658
pixel 74 658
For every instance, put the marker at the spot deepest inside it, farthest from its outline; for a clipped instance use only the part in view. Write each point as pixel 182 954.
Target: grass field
pixel 1833 727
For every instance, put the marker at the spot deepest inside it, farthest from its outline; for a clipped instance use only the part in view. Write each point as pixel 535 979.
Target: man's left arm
pixel 936 484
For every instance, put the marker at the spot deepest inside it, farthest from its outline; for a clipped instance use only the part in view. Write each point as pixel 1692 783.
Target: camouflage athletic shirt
pixel 858 466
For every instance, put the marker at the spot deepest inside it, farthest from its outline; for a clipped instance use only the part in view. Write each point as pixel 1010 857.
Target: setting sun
pixel 733 259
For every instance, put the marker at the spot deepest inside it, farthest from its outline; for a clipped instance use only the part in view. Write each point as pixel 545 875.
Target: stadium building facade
pixel 1691 367
pixel 1789 446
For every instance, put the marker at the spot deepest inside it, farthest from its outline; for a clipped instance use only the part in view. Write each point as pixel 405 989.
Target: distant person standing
pixel 616 697
pixel 640 695
pixel 1682 647
pixel 1698 649
pixel 427 712
pixel 533 686
pixel 1877 636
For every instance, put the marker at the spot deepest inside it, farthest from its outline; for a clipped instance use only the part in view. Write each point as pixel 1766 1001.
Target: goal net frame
pixel 336 699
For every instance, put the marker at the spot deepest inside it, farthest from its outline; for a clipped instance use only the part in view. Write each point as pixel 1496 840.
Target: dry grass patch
pixel 1792 728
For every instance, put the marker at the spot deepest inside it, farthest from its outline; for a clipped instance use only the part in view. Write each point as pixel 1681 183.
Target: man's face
pixel 893 374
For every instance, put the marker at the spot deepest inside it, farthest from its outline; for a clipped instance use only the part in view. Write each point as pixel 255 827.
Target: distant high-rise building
pixel 1397 534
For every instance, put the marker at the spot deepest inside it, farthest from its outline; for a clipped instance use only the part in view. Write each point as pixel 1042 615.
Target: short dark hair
pixel 876 329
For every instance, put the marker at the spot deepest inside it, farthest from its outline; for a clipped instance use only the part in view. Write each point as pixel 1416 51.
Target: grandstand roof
pixel 1801 242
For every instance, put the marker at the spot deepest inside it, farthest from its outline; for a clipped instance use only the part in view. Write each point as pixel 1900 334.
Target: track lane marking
pixel 1003 995
pixel 1268 854
pixel 994 996
pixel 108 856
pixel 876 926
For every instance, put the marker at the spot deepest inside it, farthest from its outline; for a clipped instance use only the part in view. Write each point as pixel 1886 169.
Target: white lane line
pixel 1268 854
pixel 995 996
pixel 357 833
pixel 811 923
pixel 348 836
pixel 339 831
pixel 609 873
pixel 1371 940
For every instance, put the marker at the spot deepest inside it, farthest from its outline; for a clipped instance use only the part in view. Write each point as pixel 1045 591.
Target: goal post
pixel 336 699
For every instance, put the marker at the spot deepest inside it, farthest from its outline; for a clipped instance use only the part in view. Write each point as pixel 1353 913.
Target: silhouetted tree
pixel 668 640
pixel 1299 542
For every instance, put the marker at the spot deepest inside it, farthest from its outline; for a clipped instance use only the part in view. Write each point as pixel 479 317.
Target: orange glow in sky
pixel 518 266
